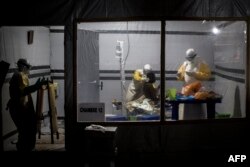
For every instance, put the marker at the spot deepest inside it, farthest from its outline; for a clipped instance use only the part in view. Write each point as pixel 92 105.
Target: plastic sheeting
pixel 64 11
pixel 36 13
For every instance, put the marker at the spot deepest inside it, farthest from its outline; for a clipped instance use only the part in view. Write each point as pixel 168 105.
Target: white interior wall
pixel 142 47
pixel 230 53
pixel 130 25
pixel 57 64
pixel 14 46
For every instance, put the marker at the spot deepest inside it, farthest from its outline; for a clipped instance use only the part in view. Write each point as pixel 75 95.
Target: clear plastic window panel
pixel 118 71
pixel 205 64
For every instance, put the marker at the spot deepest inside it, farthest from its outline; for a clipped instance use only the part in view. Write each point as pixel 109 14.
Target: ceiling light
pixel 215 30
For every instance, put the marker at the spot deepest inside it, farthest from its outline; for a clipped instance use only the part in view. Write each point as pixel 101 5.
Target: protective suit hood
pixel 190 54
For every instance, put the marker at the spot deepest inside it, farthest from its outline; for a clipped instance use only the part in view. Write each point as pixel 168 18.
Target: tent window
pixel 114 85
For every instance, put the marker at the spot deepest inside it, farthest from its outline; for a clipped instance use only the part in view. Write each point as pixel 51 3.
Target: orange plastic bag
pixel 191 89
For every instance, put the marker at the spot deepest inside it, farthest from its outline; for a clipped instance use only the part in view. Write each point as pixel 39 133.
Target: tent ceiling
pixel 64 11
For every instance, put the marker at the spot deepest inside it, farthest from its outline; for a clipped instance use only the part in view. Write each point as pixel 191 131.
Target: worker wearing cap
pixel 21 105
pixel 193 71
pixel 135 88
pixel 141 87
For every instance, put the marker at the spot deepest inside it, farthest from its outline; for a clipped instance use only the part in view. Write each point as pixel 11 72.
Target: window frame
pixel 163 20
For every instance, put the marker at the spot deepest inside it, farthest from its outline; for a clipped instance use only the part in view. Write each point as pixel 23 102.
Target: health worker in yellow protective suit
pixel 193 71
pixel 135 88
pixel 142 87
pixel 21 106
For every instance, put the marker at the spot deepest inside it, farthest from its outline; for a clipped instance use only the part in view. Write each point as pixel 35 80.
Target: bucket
pixel 171 93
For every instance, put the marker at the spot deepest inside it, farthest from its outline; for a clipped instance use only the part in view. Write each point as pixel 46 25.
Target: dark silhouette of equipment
pixel 4 68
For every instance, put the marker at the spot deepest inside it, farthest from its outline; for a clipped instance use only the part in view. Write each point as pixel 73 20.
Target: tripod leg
pixel 39 110
pixel 53 111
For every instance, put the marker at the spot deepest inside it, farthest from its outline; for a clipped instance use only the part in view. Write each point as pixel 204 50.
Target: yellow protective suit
pixel 200 68
pixel 142 93
pixel 23 83
pixel 139 86
pixel 22 111
pixel 200 72
pixel 135 88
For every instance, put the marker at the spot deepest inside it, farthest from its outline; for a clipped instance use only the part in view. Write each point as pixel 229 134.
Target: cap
pixel 147 67
pixel 190 53
pixel 23 62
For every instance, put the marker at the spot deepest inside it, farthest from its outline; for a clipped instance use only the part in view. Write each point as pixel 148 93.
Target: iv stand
pixel 119 54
